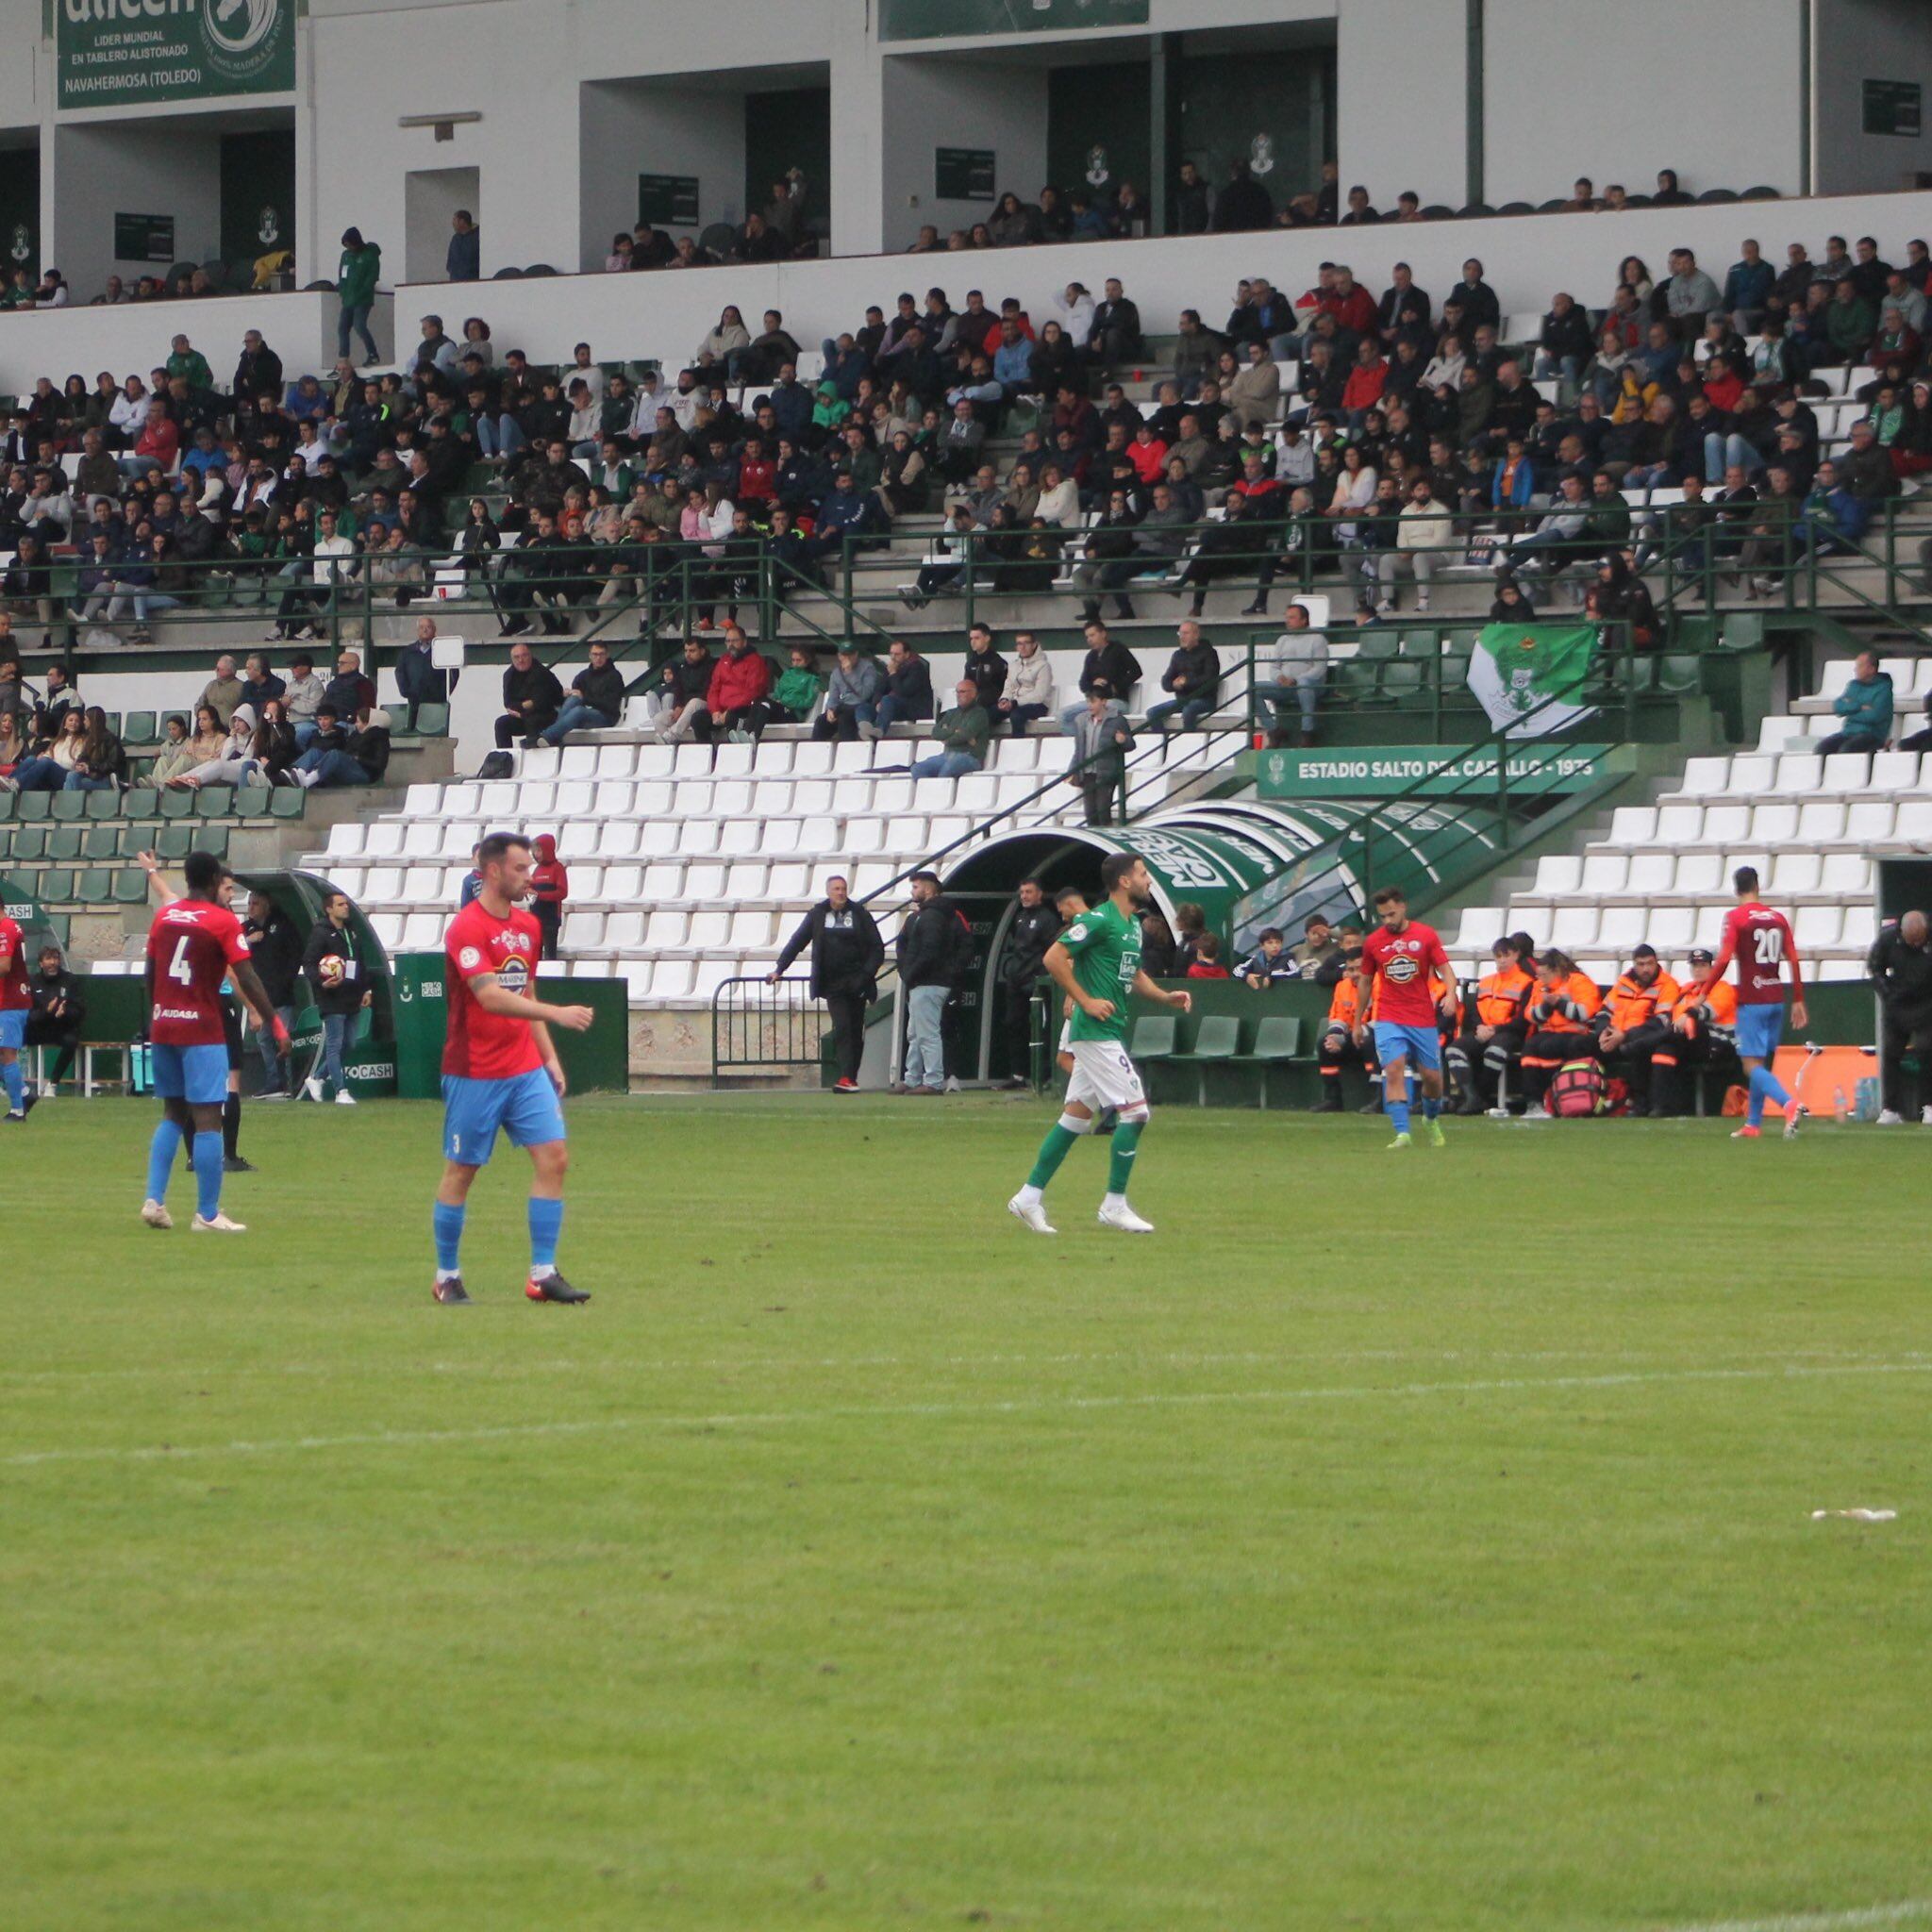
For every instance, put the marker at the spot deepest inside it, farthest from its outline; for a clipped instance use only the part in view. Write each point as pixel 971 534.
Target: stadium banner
pixel 929 20
pixel 1528 676
pixel 1381 770
pixel 117 53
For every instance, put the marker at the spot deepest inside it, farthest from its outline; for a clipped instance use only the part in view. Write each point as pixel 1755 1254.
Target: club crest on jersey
pixel 470 958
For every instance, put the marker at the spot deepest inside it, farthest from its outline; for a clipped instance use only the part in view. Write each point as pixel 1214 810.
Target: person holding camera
pixel 336 974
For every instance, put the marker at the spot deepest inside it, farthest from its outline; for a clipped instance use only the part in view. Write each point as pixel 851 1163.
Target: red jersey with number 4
pixel 1399 963
pixel 15 996
pixel 480 1046
pixel 1760 941
pixel 191 946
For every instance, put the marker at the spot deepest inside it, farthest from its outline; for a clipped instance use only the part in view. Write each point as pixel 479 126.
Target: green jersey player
pixel 1096 962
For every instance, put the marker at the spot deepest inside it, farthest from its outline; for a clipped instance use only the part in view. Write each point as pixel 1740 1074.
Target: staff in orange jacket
pixel 1338 1045
pixel 1639 1007
pixel 1703 1028
pixel 1566 1014
pixel 1494 1025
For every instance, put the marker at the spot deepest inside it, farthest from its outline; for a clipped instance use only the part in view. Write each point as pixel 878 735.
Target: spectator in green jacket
pixel 188 362
pixel 356 280
pixel 964 733
pixel 1864 710
pixel 1849 324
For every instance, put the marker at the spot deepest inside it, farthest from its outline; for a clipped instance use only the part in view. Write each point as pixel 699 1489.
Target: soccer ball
pixel 331 969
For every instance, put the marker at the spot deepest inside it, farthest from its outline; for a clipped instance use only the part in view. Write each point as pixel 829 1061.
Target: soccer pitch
pixel 1397 1542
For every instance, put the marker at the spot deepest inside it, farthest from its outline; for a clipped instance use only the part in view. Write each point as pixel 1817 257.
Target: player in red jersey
pixel 1760 941
pixel 193 944
pixel 500 1069
pixel 1393 983
pixel 16 1002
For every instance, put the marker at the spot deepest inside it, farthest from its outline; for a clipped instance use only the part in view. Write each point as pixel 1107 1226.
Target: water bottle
pixel 1839 1109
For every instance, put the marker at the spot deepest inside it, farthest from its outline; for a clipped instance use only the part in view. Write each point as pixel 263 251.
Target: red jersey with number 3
pixel 480 1046
pixel 1760 941
pixel 190 948
pixel 16 996
pixel 1398 964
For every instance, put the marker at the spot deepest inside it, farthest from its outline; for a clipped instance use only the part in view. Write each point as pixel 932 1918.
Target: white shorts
pixel 1103 1076
pixel 1066 1045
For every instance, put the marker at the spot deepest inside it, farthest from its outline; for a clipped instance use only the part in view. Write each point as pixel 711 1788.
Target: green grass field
pixel 1390 1541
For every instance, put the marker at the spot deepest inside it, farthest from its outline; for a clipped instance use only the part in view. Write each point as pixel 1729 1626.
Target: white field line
pixel 759 1364
pixel 163 1452
pixel 1911 1912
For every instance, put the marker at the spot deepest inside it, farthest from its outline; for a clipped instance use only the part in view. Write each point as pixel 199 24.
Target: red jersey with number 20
pixel 1760 941
pixel 480 1046
pixel 191 946
pixel 1400 961
pixel 16 996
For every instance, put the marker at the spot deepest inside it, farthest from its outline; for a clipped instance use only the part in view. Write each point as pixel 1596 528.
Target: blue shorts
pixel 1421 1046
pixel 198 1074
pixel 13 1027
pixel 1759 1028
pixel 524 1107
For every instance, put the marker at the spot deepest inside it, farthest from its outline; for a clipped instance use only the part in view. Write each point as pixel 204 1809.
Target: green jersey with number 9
pixel 1105 945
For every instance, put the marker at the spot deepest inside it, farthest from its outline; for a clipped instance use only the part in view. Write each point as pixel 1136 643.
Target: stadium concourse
pixel 1035 463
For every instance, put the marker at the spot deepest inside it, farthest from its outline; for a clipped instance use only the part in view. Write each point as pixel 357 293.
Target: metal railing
pixel 758 1023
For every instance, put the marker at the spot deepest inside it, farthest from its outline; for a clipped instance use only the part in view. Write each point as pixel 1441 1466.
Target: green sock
pixel 1053 1150
pixel 1119 1168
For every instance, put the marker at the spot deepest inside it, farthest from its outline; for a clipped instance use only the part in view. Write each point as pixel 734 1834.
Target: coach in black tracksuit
pixel 1036 925
pixel 846 955
pixel 1900 969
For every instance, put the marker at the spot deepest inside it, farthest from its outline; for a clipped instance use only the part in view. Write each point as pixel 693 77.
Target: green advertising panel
pixel 109 53
pixel 1381 770
pixel 927 20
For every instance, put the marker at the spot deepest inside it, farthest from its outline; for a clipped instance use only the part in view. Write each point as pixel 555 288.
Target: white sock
pixel 542 1273
pixel 448 1273
pixel 1114 1201
pixel 1030 1196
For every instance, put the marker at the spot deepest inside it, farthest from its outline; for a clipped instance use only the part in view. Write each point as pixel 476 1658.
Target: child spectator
pixel 549 889
pixel 1208 958
pixel 1270 961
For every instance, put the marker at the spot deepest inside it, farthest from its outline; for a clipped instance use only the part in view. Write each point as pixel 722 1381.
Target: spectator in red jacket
pixel 1350 304
pixel 549 889
pixel 160 443
pixel 739 679
pixel 1366 381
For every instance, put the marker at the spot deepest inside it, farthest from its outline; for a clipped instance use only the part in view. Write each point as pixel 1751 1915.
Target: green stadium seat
pixel 63 843
pixel 432 720
pixel 134 840
pixel 6 806
pixel 212 839
pixel 69 805
pixel 173 842
pixel 130 886
pixel 32 805
pixel 1275 1040
pixel 1376 644
pixel 1418 643
pixel 54 886
pixel 114 724
pixel 139 801
pixel 1353 680
pixel 94 887
pixel 1217 1039
pixel 251 801
pixel 140 729
pixel 101 805
pixel 287 801
pixel 1675 675
pixel 1404 681
pixel 1153 1040
pixel 214 802
pixel 178 805
pixel 29 842
pixel 101 843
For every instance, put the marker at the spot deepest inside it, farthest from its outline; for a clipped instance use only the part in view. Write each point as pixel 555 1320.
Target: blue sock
pixel 208 1173
pixel 15 1077
pixel 1765 1084
pixel 1431 1108
pixel 161 1151
pixel 546 1224
pixel 449 1235
pixel 1398 1110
